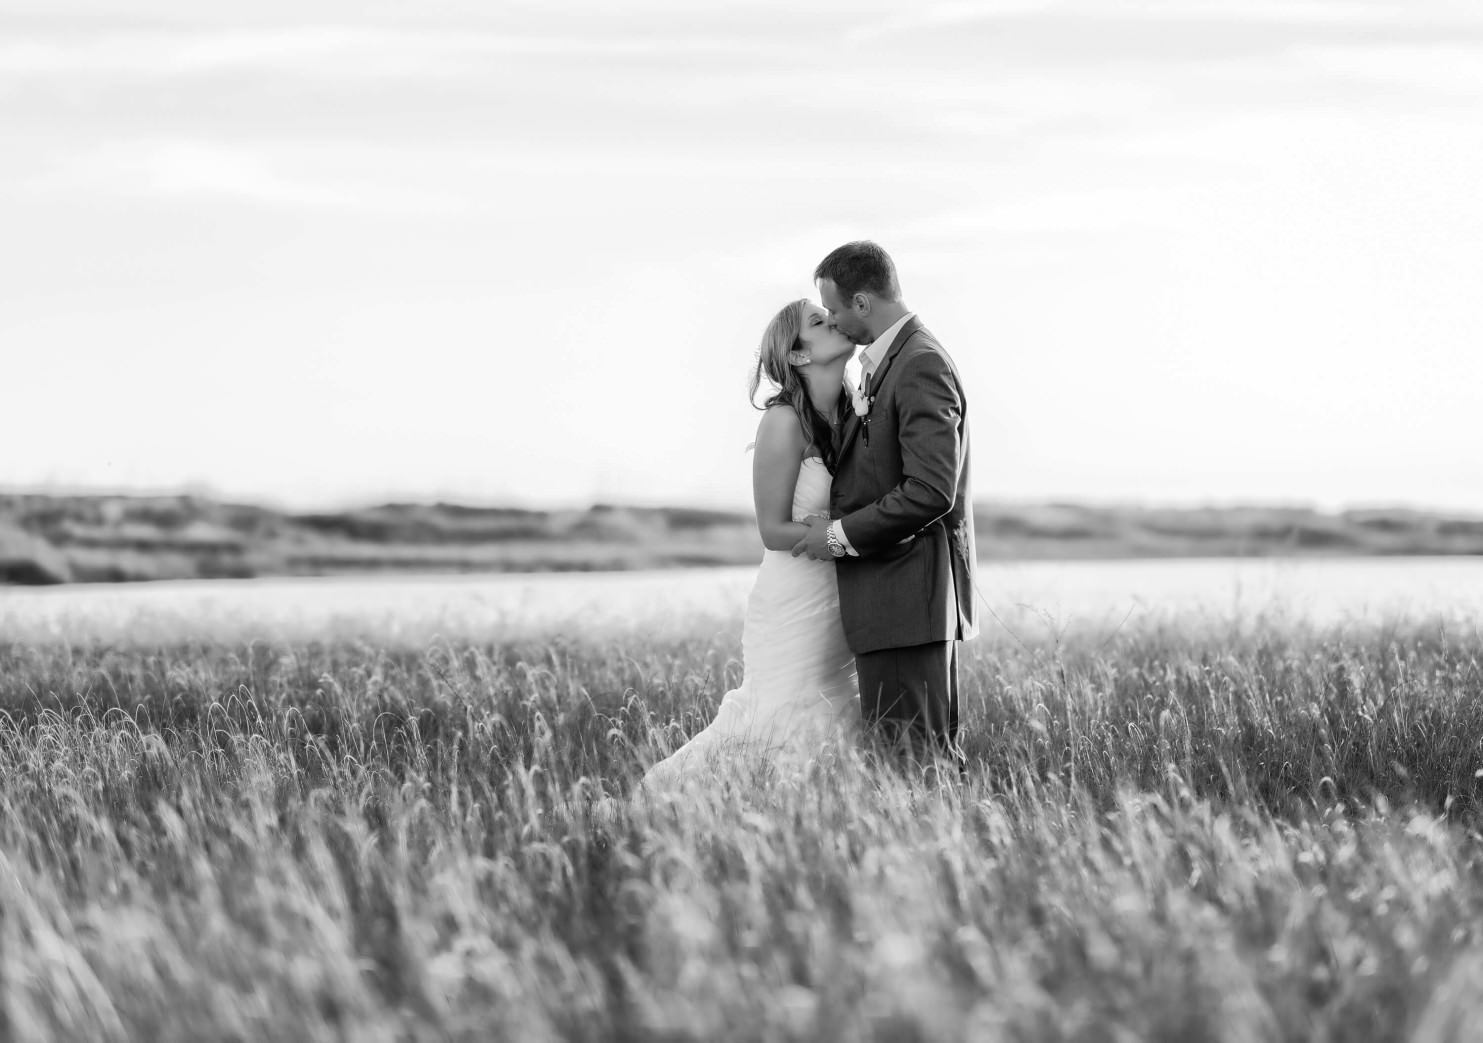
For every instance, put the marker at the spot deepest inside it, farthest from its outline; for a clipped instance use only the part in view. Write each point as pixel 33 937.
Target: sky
pixel 321 252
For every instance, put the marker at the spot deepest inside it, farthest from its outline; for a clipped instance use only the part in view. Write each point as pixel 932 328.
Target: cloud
pixel 938 17
pixel 329 50
pixel 184 169
pixel 1447 69
pixel 440 179
pixel 951 17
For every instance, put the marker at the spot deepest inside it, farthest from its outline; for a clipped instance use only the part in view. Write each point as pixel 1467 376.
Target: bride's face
pixel 820 340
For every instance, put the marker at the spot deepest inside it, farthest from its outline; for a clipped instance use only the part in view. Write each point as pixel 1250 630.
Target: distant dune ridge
pixel 48 539
pixel 25 558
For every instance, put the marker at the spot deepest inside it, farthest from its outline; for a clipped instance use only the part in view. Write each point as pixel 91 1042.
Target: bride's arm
pixel 775 463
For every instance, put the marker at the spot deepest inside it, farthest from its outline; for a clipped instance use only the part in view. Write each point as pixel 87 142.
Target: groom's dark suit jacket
pixel 901 487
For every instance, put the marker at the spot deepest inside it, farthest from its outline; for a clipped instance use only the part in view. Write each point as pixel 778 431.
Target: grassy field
pixel 1237 830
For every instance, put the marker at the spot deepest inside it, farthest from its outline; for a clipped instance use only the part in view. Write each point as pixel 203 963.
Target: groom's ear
pixel 862 303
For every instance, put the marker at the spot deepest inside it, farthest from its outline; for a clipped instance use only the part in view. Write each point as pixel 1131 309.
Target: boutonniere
pixel 859 400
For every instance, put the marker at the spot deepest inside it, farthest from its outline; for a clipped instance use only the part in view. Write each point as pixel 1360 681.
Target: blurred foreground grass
pixel 1235 831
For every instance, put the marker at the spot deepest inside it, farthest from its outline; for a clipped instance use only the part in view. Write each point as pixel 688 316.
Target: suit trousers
pixel 909 696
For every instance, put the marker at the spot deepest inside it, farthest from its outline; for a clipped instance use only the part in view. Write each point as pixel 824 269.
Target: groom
pixel 902 535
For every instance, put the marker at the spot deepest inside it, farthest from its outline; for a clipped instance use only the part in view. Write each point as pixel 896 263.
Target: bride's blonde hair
pixel 780 339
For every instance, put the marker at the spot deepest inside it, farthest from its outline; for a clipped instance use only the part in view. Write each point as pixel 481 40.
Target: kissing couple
pixel 863 504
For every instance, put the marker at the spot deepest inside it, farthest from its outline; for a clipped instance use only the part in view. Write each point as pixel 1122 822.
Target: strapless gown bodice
pixel 811 494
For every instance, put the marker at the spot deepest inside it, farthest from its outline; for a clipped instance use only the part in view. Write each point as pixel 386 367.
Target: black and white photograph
pixel 825 520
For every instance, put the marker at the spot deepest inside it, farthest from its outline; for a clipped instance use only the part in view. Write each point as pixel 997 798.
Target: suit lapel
pixel 847 433
pixel 852 423
pixel 912 325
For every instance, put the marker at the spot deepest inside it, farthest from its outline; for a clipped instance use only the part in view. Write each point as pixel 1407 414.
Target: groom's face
pixel 844 316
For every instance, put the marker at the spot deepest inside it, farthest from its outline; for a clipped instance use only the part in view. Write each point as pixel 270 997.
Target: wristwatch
pixel 835 547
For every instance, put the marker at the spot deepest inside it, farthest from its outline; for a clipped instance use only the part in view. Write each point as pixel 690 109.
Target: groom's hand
pixel 815 542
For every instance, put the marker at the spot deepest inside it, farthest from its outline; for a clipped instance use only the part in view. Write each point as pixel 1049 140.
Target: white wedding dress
pixel 798 689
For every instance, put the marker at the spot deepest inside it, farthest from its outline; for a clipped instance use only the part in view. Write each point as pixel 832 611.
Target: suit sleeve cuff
pixel 838 529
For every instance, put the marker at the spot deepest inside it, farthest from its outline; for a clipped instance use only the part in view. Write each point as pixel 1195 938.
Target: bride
pixel 798 685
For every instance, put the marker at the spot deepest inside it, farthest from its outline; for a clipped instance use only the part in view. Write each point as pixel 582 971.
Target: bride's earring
pixel 798 358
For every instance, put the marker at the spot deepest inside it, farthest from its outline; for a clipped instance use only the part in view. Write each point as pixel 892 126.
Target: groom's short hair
pixel 861 267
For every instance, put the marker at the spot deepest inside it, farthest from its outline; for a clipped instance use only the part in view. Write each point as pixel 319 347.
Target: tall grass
pixel 1197 831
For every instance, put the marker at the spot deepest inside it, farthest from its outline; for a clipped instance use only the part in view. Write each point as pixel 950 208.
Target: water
pixel 1029 599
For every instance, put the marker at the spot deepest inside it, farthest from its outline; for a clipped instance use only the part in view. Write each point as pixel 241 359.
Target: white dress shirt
pixel 870 358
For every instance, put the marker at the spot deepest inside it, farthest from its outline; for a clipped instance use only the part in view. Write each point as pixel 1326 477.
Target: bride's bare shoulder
pixel 779 432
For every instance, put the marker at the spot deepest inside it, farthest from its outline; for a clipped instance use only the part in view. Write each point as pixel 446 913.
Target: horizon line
pixel 348 504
